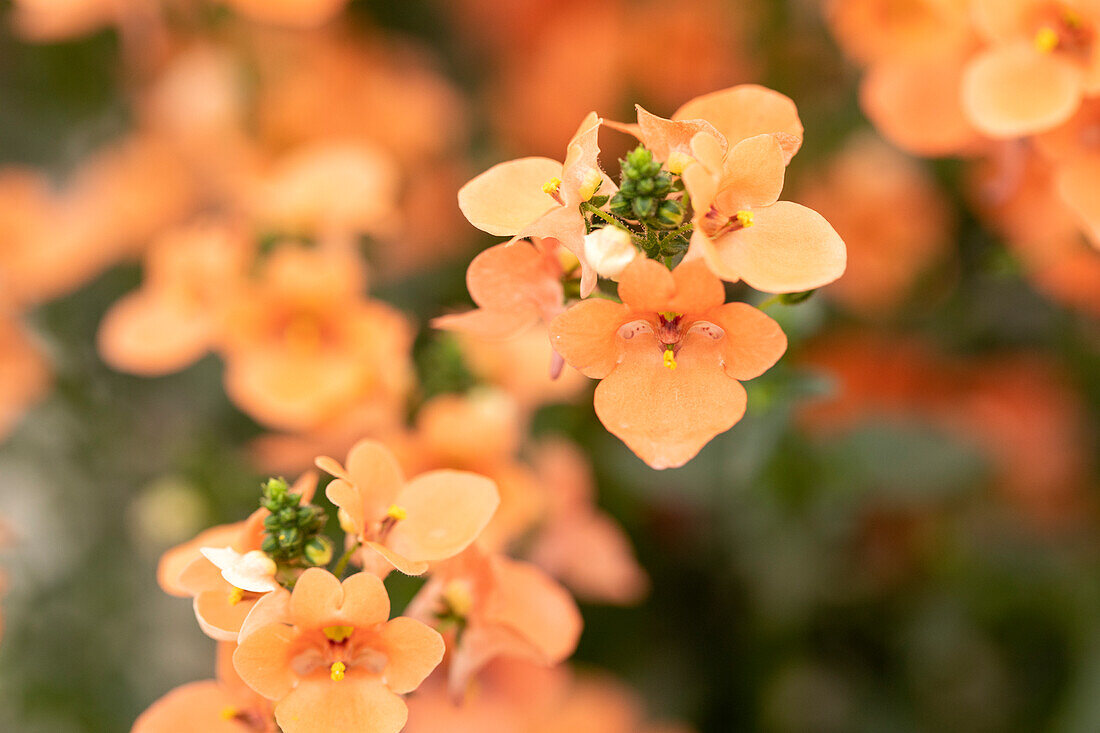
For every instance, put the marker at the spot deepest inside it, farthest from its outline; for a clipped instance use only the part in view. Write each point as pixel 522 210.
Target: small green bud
pixel 318 551
pixel 662 184
pixel 287 515
pixel 646 186
pixel 270 545
pixel 289 538
pixel 620 205
pixel 639 157
pixel 670 214
pixel 643 207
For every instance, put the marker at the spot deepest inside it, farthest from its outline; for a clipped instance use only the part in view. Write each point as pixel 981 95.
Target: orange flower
pixel 583 547
pixel 670 357
pixel 732 148
pixel 515 285
pixel 224 571
pixel 302 345
pixel 222 705
pixel 407 525
pixel 333 662
pixel 24 374
pixel 540 197
pixel 1042 60
pixel 492 606
pixel 895 223
pixel 176 316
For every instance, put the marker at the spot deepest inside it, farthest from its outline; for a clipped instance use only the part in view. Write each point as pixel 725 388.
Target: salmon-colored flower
pixel 732 148
pixel 491 606
pixel 515 285
pixel 302 344
pixel 222 705
pixel 407 525
pixel 1042 60
pixel 540 197
pixel 176 317
pixel 670 358
pixel 224 571
pixel 333 662
pixel 895 223
pixel 578 544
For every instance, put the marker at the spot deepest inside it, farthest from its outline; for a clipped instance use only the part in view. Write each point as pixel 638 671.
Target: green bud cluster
pixel 293 530
pixel 643 190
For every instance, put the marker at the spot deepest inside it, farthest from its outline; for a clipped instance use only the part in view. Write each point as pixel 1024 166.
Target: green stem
pixel 342 563
pixel 770 301
pixel 602 214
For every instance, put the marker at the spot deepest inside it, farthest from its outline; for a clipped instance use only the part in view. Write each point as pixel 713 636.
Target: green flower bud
pixel 289 538
pixel 643 207
pixel 670 214
pixel 620 205
pixel 318 551
pixel 646 186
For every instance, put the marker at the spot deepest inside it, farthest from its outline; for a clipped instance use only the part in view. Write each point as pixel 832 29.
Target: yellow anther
pixel 670 359
pixel 745 217
pixel 235 596
pixel 228 713
pixel 396 513
pixel 670 315
pixel 552 186
pixel 458 598
pixel 590 184
pixel 336 671
pixel 1046 40
pixel 678 161
pixel 337 634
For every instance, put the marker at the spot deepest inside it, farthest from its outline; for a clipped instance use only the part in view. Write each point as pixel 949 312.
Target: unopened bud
pixel 318 550
pixel 609 250
pixel 590 183
pixel 670 214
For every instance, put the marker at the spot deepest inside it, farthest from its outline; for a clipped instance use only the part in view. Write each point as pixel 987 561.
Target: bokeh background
pixel 902 534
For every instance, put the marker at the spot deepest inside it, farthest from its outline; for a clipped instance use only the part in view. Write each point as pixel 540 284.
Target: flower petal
pixel 667 415
pixel 263 660
pixel 788 249
pixel 412 649
pixel 366 602
pixel 754 173
pixel 646 286
pixel 585 336
pixel 663 136
pixel 376 477
pixel 446 512
pixel 150 334
pixel 506 198
pixel 316 599
pixel 530 603
pixel 697 289
pixel 1016 90
pixel 219 616
pixel 1079 186
pixel 393 561
pixel 746 110
pixel 356 703
pixel 752 343
pixel 194 706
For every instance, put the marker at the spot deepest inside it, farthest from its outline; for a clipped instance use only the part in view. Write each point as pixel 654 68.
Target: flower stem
pixel 342 563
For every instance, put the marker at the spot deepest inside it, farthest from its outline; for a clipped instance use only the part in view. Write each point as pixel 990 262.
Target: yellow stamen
pixel 1046 40
pixel 235 596
pixel 670 359
pixel 670 315
pixel 678 161
pixel 397 513
pixel 458 598
pixel 336 671
pixel 590 184
pixel 745 217
pixel 228 713
pixel 552 186
pixel 337 634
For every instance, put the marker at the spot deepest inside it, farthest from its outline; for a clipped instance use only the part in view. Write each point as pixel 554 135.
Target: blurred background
pixel 901 535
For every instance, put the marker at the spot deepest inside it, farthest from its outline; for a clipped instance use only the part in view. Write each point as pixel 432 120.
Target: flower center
pixel 1062 29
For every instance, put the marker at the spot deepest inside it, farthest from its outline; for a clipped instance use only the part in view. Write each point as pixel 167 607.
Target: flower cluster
pixel 697 204
pixel 1011 84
